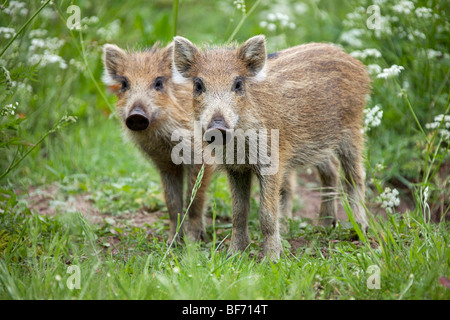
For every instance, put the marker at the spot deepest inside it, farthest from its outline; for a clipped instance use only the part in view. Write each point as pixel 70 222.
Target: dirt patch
pixel 50 201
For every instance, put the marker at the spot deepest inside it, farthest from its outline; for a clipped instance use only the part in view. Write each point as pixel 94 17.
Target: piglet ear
pixel 184 53
pixel 253 53
pixel 113 59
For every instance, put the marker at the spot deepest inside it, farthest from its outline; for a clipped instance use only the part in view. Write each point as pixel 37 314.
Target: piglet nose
pixel 137 119
pixel 218 128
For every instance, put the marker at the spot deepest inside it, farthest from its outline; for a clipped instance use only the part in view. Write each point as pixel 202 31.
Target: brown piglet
pixel 310 98
pixel 151 107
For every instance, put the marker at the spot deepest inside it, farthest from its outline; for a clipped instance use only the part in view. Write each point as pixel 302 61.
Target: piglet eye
pixel 199 87
pixel 124 84
pixel 238 85
pixel 158 84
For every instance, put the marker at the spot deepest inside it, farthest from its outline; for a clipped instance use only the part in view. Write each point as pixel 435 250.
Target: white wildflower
pixel 374 69
pixel 352 37
pixel 7 33
pixel 416 34
pixel 431 53
pixel 48 13
pixel 47 58
pixel 404 7
pixel 21 86
pixel 37 33
pixel 44 51
pixel 355 18
pixel 16 8
pixel 444 129
pixel 240 5
pixel 301 8
pixel 271 27
pixel 380 167
pixel 372 117
pixel 424 12
pixel 90 20
pixel 278 19
pixel 389 199
pixel 363 54
pixel 9 109
pixel 393 71
pixel 52 44
pixel 271 17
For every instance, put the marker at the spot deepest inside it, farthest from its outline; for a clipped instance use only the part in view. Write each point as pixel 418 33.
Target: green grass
pixel 39 250
pixel 118 260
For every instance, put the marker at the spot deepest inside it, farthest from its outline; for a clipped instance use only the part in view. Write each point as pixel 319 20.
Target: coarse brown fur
pixel 314 94
pixel 132 77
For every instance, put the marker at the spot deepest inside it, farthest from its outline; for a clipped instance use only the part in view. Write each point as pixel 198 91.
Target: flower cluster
pixel 22 87
pixel 16 8
pixel 352 37
pixel 9 109
pixel 374 69
pixel 393 71
pixel 444 130
pixel 432 54
pixel 275 20
pixel 404 7
pixel 372 117
pixel 240 5
pixel 424 12
pixel 388 23
pixel 44 50
pixel 389 199
pixel 363 54
pixel 7 33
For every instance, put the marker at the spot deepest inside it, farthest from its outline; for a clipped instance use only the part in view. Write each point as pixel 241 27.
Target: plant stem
pixel 244 17
pixel 15 164
pixel 175 16
pixel 23 27
pixel 83 53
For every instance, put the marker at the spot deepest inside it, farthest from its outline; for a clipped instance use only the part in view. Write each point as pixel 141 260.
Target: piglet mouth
pixel 218 132
pixel 137 120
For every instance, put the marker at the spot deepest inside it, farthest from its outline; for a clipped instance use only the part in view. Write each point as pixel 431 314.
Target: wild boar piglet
pixel 305 103
pixel 151 107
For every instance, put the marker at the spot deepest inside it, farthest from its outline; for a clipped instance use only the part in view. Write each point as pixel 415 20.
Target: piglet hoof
pixel 197 234
pixel 238 246
pixel 176 237
pixel 327 222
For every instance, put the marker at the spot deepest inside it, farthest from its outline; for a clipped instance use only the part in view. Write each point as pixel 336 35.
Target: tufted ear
pixel 184 53
pixel 113 59
pixel 253 53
